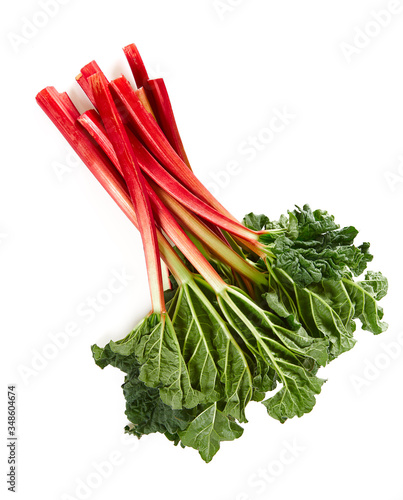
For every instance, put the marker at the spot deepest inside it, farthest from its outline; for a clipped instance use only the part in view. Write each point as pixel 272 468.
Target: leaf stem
pixel 212 242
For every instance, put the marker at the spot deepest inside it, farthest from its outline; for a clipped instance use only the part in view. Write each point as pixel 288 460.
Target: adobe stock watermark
pixel 86 311
pixel 373 369
pixel 394 179
pixel 259 482
pixel 69 165
pixel 225 7
pixel 30 27
pixel 250 148
pixel 101 470
pixel 364 35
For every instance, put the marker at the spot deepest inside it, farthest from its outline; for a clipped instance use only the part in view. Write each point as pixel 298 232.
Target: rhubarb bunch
pixel 253 310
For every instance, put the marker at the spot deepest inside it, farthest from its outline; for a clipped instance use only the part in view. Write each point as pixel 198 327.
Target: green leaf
pixel 208 430
pixel 312 247
pixel 277 349
pixel 318 315
pixel 157 351
pixel 105 356
pixel 334 293
pixel 192 358
pixel 313 223
pixel 321 259
pixel 216 364
pixel 144 408
pixel 255 222
pixel 364 295
pixel 148 413
pixel 297 395
pixel 375 284
pixel 287 226
pixel 353 300
pixel 297 340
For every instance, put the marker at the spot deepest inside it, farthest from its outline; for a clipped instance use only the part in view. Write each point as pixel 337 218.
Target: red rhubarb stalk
pixel 159 99
pixel 172 186
pixel 174 231
pixel 136 65
pixel 155 141
pixel 152 131
pixel 91 121
pixel 157 144
pixel 158 96
pixel 208 238
pixel 135 183
pixel 82 79
pixel 91 69
pixel 85 86
pixel 65 117
pixel 62 112
pixel 141 93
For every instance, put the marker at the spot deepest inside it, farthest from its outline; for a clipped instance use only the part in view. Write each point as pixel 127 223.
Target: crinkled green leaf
pixel 297 396
pixel 208 430
pixel 317 315
pixel 216 364
pixel 105 356
pixel 335 294
pixel 285 225
pixel 158 354
pixel 324 258
pixel 309 246
pixel 193 358
pixel 275 348
pixel 296 338
pixel 162 365
pixel 313 223
pixel 144 408
pixel 375 284
pixel 353 300
pixel 148 413
pixel 255 222
pixel 363 295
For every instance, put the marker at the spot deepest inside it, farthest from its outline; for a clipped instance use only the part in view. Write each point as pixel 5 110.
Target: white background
pixel 62 239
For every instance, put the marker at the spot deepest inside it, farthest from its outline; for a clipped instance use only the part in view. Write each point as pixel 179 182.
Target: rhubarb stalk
pixel 159 99
pixel 159 175
pixel 135 183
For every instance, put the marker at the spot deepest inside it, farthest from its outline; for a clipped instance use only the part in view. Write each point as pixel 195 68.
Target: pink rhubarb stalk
pixel 151 134
pixel 82 79
pixel 136 65
pixel 62 112
pixel 159 99
pixel 161 104
pixel 135 183
pixel 93 124
pixel 155 141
